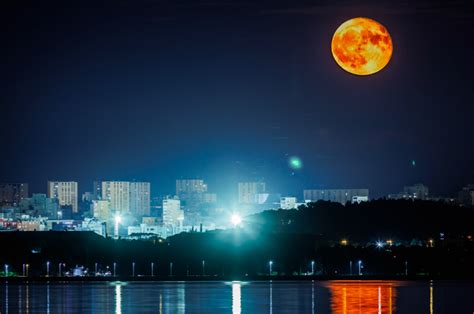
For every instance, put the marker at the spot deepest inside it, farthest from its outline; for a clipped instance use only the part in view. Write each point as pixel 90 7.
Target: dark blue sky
pixel 227 90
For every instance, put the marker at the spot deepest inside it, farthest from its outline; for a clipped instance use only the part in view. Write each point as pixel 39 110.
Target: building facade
pixel 288 202
pixel 101 209
pixel 248 192
pixel 65 192
pixel 334 195
pixel 140 198
pixel 190 186
pixel 173 215
pixel 118 194
pixel 12 194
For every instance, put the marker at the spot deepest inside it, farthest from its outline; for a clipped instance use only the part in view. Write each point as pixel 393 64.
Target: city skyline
pixel 237 156
pixel 163 94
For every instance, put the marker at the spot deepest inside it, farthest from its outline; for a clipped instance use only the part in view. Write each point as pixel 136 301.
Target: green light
pixel 413 163
pixel 295 163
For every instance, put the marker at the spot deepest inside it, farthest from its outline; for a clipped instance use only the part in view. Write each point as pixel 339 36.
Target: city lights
pixel 344 242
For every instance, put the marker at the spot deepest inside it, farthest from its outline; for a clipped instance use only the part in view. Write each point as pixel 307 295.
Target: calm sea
pixel 239 297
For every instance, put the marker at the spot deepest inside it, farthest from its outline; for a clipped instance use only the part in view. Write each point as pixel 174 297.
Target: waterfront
pixel 239 297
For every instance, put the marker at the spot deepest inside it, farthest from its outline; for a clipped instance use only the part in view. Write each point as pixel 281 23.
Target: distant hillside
pixel 404 219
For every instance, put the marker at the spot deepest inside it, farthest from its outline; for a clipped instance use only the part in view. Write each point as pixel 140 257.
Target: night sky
pixel 228 90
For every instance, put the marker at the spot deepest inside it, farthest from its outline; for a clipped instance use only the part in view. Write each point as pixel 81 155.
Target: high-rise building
pixel 334 195
pixel 12 193
pixel 192 193
pixel 97 190
pixel 65 192
pixel 40 205
pixel 140 198
pixel 173 215
pixel 249 191
pixel 101 209
pixel 118 194
pixel 190 186
pixel 209 198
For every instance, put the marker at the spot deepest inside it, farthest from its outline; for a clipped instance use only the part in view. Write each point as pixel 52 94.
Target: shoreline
pixel 226 278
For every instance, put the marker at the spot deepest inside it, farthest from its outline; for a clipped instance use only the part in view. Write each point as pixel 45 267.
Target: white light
pixel 379 244
pixel 235 219
pixel 118 219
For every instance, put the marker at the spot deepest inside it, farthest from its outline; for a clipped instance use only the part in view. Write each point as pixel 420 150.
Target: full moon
pixel 362 46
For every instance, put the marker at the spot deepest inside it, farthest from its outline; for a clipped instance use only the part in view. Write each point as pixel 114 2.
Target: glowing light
pixel 118 299
pixel 295 163
pixel 236 297
pixel 344 242
pixel 118 219
pixel 351 297
pixel 379 244
pixel 235 219
pixel 362 46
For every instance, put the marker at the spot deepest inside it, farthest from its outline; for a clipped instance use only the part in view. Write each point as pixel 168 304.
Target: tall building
pixel 97 190
pixel 334 195
pixel 249 191
pixel 190 186
pixel 13 193
pixel 192 193
pixel 140 198
pixel 101 209
pixel 118 194
pixel 173 215
pixel 65 192
pixel 41 205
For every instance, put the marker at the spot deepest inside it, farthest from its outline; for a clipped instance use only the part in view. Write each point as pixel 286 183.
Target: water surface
pixel 239 297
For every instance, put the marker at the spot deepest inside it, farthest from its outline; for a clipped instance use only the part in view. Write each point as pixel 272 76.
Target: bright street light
pixel 118 220
pixel 235 219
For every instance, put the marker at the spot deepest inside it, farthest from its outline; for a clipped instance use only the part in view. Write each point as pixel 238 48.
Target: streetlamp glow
pixel 379 244
pixel 270 264
pixel 117 220
pixel 235 219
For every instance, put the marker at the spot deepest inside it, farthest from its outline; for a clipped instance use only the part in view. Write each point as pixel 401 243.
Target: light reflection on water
pixel 236 298
pixel 350 297
pixel 339 297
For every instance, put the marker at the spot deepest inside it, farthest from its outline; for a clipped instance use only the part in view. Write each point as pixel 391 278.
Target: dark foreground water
pixel 239 297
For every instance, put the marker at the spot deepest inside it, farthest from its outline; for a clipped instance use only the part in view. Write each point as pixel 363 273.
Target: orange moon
pixel 362 46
